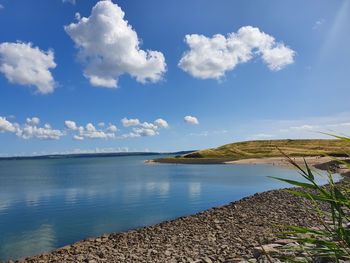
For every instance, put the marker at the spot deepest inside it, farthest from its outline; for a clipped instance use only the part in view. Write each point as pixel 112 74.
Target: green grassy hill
pixel 264 148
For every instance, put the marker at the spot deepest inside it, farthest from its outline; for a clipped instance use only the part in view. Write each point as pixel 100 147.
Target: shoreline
pixel 318 162
pixel 228 233
pixel 278 160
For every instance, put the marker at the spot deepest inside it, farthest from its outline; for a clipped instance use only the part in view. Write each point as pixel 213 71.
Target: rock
pixel 66 247
pixel 284 241
pixel 207 260
pixel 80 258
pixel 265 249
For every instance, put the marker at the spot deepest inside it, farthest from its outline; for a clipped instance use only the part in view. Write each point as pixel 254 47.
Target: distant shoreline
pixel 89 155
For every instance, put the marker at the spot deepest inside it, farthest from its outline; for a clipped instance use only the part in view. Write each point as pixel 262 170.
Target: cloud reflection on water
pixel 30 242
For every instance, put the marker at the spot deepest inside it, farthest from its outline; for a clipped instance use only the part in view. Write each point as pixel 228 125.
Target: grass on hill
pixel 263 149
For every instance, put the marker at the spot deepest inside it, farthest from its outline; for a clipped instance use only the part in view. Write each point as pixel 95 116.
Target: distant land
pixel 91 155
pixel 263 149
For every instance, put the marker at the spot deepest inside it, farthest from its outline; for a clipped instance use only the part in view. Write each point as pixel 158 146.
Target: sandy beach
pixel 282 161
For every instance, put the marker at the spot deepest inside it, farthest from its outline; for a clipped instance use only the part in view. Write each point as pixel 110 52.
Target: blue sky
pixel 277 70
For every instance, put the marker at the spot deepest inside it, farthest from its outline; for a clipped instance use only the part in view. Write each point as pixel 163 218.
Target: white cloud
pixel 148 125
pixel 33 121
pixel 1 6
pixel 78 138
pixel 23 64
pixel 30 129
pixel 278 57
pixel 191 120
pixel 109 47
pixel 145 131
pixel 70 125
pixel 145 128
pixel 130 135
pixel 210 58
pixel 161 123
pixel 45 133
pixel 112 128
pixel 77 16
pixel 90 127
pixel 130 122
pixel 73 2
pixel 6 126
pixel 91 132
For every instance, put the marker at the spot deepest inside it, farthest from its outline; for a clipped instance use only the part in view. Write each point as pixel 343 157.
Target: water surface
pixel 46 204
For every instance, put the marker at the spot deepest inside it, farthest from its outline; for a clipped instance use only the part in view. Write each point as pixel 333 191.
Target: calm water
pixel 45 204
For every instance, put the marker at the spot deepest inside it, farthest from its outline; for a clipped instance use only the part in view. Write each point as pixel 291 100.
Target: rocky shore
pixel 230 233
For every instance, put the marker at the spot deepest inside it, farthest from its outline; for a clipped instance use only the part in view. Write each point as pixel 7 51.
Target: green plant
pixel 331 241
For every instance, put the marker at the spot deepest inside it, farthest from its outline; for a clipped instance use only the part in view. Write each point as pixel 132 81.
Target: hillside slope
pixel 265 148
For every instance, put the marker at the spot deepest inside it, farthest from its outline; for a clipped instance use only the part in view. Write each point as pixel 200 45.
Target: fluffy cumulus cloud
pixel 130 122
pixel 210 58
pixel 112 128
pixel 191 120
pixel 33 121
pixel 145 128
pixel 109 47
pixel 46 132
pixel 161 123
pixel 6 126
pixel 89 131
pixel 23 64
pixel 137 129
pixel 71 125
pixel 30 129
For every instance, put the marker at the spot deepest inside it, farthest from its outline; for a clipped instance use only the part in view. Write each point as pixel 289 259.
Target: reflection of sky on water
pixel 46 204
pixel 4 204
pixel 161 188
pixel 30 242
pixel 195 189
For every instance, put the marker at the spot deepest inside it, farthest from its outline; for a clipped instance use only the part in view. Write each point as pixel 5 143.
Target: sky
pixel 158 75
